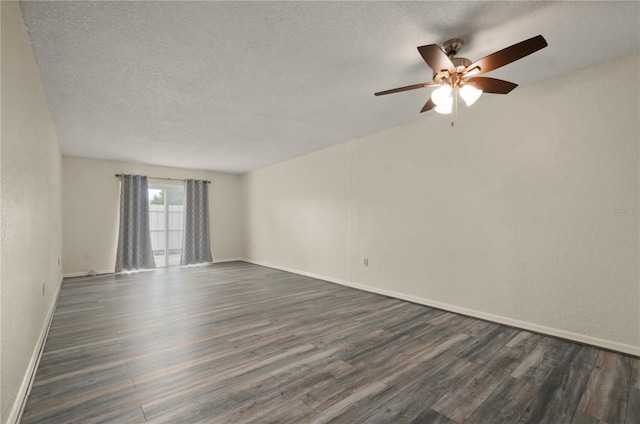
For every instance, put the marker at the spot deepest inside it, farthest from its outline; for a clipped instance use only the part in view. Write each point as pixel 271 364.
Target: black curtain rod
pixel 168 179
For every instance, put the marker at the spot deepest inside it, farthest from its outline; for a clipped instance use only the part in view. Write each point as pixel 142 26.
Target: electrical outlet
pixel 58 261
pixel 88 256
pixel 43 289
pixel 365 262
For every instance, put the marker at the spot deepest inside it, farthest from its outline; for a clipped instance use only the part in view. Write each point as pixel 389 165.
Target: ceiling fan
pixel 457 75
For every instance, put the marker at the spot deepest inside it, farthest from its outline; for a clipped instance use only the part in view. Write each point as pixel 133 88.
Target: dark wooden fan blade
pixel 436 58
pixel 407 88
pixel 428 106
pixel 508 55
pixel 492 85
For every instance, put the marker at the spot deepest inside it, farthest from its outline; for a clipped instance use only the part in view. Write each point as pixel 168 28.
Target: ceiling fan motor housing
pixel 452 47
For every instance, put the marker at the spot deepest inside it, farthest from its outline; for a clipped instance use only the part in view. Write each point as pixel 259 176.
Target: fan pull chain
pixel 455 106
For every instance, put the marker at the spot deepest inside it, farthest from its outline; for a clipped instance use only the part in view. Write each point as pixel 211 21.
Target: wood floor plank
pixel 293 412
pixel 524 341
pixel 606 395
pixel 536 367
pixel 219 382
pixel 238 343
pixel 432 417
pixel 486 347
pixel 331 374
pixel 400 373
pixel 374 409
pixel 414 393
pixel 633 401
pixel 558 398
pixel 90 405
pixel 330 399
pixel 633 406
pixel 329 409
pixel 506 404
pixel 460 403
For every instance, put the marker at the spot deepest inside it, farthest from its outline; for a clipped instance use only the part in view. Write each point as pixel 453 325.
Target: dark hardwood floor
pixel 236 343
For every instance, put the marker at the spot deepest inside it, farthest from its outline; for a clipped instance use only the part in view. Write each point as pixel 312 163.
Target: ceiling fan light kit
pixel 457 75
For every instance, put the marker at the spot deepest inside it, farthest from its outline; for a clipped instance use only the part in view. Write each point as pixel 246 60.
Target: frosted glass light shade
pixel 444 108
pixel 469 94
pixel 442 95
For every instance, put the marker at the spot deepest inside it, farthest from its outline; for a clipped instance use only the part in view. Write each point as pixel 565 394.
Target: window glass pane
pixel 165 223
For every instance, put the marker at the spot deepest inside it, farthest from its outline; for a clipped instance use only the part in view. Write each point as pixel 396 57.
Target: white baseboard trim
pixel 111 271
pixel 25 388
pixel 84 273
pixel 219 261
pixel 524 325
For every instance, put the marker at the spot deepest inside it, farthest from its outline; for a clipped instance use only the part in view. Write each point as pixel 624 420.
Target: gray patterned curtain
pixel 196 248
pixel 134 239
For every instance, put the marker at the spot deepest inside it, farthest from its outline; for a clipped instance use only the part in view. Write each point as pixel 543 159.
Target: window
pixel 166 205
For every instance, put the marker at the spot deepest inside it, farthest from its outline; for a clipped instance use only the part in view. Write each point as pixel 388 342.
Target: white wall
pixel 30 213
pixel 91 197
pixel 504 216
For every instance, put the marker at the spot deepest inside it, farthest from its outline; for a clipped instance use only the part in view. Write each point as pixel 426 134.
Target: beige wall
pixel 30 212
pixel 91 196
pixel 504 216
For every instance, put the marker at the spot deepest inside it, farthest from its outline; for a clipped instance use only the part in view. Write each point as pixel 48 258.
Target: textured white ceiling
pixel 235 86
